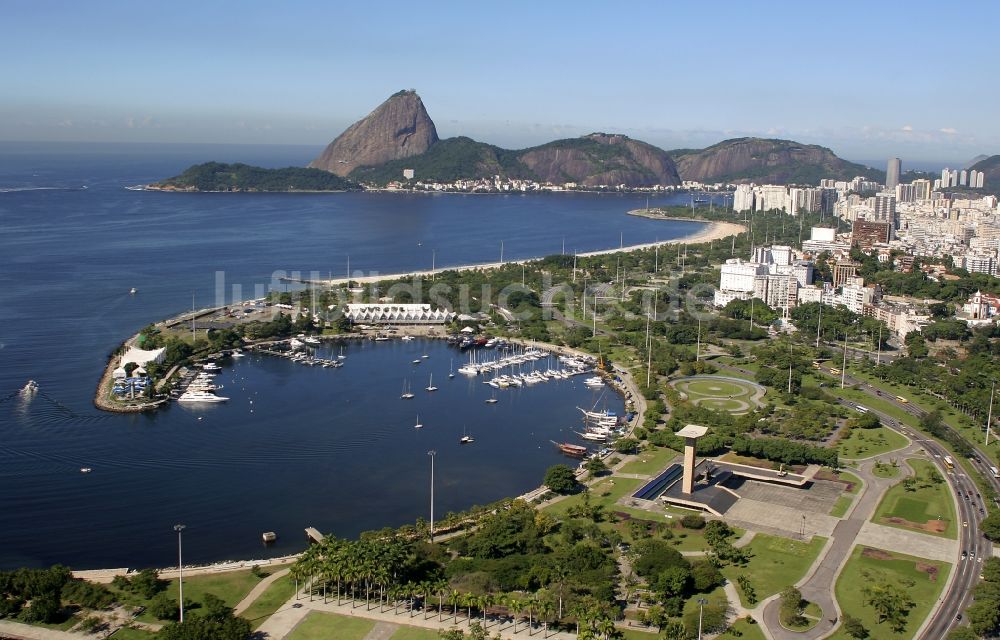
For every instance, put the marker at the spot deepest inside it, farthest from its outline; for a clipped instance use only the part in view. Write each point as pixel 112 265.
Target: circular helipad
pixel 721 393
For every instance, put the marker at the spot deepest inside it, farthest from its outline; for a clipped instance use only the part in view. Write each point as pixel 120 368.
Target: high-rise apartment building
pixel 892 172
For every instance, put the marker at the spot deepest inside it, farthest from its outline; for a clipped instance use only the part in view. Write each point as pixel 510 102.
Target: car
pixel 965 524
pixel 972 555
pixel 982 512
pixel 965 554
pixel 958 617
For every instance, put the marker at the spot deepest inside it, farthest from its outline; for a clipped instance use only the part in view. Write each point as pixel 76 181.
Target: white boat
pixel 590 435
pixel 237 353
pixel 407 394
pixel 211 366
pixel 85 469
pixel 466 438
pixel 341 355
pixel 430 384
pixel 492 399
pixel 200 396
pixel 29 389
pixel 417 361
pixel 311 340
pixel 418 425
pixel 132 291
pixel 407 338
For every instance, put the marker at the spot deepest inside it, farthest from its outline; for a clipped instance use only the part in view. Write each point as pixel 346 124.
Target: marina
pixel 306 439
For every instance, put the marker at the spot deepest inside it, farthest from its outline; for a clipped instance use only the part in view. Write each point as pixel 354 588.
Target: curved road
pixel 971 508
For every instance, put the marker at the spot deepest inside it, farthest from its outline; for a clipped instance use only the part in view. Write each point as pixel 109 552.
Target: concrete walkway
pixel 818 586
pixel 256 592
pixel 295 610
pixel 20 631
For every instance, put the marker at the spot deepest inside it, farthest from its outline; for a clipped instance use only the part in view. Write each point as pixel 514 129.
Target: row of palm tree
pixel 376 567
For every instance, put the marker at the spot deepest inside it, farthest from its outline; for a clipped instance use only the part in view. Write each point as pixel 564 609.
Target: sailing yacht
pixel 418 425
pixel 407 394
pixel 430 384
pixel 492 399
pixel 341 356
pixel 466 438
pixel 451 369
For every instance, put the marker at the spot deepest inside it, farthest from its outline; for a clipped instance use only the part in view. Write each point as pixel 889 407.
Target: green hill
pixel 218 176
pixel 449 160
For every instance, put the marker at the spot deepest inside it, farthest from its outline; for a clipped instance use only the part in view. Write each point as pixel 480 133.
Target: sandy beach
pixel 711 231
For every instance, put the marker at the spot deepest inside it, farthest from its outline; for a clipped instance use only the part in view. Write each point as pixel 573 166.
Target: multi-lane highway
pixel 971 507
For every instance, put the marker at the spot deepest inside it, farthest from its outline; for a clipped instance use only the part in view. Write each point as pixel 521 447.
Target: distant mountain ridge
pixel 400 135
pixel 764 160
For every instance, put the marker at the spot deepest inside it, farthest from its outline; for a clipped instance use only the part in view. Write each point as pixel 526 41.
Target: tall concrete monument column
pixel 690 433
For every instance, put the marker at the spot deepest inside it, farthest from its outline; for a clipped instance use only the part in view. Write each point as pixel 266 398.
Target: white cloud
pixel 907 128
pixel 948 130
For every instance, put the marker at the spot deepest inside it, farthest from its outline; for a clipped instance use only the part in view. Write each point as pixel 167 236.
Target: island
pixel 238 177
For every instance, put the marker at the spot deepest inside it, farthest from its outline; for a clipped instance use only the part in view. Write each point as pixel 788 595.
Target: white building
pixel 392 313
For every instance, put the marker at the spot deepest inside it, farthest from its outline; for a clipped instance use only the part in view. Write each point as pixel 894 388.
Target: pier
pixel 314 536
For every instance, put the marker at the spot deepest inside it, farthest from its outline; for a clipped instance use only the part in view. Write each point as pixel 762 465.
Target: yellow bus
pixel 901 399
pixel 834 371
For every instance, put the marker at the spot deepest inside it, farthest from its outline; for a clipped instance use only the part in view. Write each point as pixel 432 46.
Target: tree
pixel 891 603
pixel 990 526
pixel 164 607
pixel 595 466
pixel 854 628
pixel 560 478
pixel 963 633
pixel 200 628
pixel 791 607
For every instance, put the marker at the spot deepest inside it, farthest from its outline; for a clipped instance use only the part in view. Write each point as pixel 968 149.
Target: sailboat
pixel 407 394
pixel 341 356
pixel 451 369
pixel 418 425
pixel 430 384
pixel 492 399
pixel 466 438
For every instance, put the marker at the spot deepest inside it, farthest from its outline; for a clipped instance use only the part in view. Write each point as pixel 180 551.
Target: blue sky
pixel 869 79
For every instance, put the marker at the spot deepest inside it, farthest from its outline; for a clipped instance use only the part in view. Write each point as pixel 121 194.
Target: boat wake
pixel 23 189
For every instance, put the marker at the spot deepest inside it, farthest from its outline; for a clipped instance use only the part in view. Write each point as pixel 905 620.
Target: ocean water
pixel 296 446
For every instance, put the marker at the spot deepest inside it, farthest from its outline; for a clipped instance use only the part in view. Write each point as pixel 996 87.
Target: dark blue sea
pixel 296 446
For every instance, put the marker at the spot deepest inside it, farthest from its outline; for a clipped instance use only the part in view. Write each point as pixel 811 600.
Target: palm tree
pixel 485 602
pixel 440 586
pixel 514 606
pixel 454 598
pixel 545 611
pixel 606 627
pixel 470 600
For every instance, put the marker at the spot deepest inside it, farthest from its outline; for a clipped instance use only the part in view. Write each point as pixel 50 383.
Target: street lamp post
pixel 180 571
pixel 432 453
pixel 701 612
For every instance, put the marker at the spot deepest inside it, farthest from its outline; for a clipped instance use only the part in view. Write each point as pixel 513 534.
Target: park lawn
pixel 649 462
pixel 127 633
pixel 415 633
pixel 605 492
pixel 919 507
pixel 865 443
pixel 330 626
pixel 745 630
pixel 910 573
pixel 633 634
pixel 278 593
pixel 855 481
pixel 776 563
pixel 885 471
pixel 231 586
pixel 841 506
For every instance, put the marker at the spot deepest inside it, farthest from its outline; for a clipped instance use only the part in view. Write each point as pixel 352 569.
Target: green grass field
pixel 918 508
pixel 776 563
pixel 126 633
pixel 650 462
pixel 280 591
pixel 414 633
pixel 912 574
pixel 330 626
pixel 865 443
pixel 841 506
pixel 717 393
pixel 745 630
pixel 231 586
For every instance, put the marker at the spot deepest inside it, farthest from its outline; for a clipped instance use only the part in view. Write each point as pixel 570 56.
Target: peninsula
pixel 219 177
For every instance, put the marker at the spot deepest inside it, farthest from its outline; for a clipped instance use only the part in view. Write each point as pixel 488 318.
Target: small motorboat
pixel 85 469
